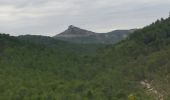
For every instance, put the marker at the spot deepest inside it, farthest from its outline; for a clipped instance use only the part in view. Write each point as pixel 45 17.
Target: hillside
pixel 144 57
pixel 77 35
pixel 132 69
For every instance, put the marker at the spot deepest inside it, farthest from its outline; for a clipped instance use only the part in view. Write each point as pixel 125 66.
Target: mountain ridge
pixel 78 35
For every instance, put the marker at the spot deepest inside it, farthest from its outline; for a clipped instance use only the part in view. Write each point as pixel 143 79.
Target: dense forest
pixel 50 69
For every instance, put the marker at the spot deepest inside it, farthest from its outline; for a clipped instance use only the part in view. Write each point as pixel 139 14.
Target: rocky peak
pixel 74 31
pixel 71 27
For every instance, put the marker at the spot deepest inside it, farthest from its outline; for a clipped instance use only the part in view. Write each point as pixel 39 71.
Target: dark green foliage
pixel 38 72
pixel 144 55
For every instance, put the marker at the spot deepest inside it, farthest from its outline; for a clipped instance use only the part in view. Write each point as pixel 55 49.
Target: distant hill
pixel 42 40
pixel 78 35
pixel 59 44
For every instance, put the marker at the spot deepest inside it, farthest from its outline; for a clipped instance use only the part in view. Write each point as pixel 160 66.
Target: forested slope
pixel 31 72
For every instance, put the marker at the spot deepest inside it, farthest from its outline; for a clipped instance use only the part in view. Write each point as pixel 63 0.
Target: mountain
pixel 73 31
pixel 78 35
pixel 136 68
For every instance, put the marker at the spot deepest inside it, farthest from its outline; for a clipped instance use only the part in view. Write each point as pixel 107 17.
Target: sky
pixel 50 17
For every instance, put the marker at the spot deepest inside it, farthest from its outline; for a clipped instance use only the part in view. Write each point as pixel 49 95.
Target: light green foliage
pixel 132 97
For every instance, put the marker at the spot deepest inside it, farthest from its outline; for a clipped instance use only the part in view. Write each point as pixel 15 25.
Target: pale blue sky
pixel 49 17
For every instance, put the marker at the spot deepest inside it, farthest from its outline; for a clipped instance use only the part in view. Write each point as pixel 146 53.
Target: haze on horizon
pixel 49 17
